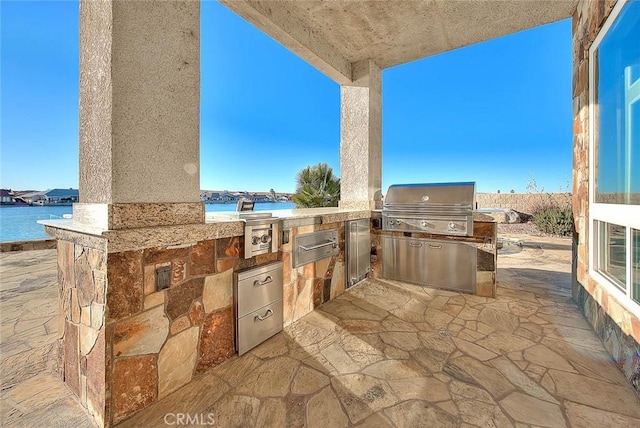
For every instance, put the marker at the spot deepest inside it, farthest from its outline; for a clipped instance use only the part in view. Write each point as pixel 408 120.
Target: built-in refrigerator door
pixel 358 250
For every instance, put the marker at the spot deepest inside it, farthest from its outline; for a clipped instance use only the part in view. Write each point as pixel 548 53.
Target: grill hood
pixel 436 208
pixel 425 196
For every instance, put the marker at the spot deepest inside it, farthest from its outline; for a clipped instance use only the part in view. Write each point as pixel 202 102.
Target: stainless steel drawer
pixel 315 246
pixel 256 327
pixel 257 287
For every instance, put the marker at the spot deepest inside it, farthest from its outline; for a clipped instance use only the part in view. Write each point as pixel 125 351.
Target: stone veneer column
pixel 139 170
pixel 361 138
pixel 618 328
pixel 139 114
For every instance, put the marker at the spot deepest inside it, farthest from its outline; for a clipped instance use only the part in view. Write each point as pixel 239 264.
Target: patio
pixel 382 354
pixel 529 352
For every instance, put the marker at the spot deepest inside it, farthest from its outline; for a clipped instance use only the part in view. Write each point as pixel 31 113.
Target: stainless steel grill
pixel 441 209
pixel 437 208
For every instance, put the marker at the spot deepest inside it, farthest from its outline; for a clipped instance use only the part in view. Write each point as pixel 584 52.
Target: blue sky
pixel 498 113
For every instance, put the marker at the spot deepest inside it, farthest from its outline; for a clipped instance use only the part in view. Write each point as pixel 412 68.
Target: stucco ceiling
pixel 334 34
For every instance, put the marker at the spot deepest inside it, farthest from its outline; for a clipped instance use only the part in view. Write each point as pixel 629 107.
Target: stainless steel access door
pixel 442 264
pixel 358 250
pixel 314 246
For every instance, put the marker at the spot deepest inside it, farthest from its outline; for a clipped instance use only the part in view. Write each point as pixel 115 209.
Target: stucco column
pixel 361 138
pixel 139 113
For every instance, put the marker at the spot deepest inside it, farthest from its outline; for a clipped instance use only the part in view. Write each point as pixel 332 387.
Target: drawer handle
pixel 415 244
pixel 267 280
pixel 315 247
pixel 435 247
pixel 267 314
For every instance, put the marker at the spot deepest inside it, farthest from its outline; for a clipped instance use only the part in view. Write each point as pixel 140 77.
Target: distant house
pixel 61 196
pixel 209 196
pixel 6 197
pixel 225 196
pixel 230 197
pixel 261 197
pixel 31 197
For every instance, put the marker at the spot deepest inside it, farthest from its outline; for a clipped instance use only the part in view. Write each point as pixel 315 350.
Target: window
pixel 612 249
pixel 614 207
pixel 635 266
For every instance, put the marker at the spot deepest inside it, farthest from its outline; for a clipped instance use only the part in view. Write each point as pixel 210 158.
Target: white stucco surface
pixel 139 102
pixel 333 35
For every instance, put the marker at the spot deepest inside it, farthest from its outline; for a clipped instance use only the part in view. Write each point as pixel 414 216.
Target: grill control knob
pixel 423 223
pixel 452 226
pixel 255 240
pixel 265 239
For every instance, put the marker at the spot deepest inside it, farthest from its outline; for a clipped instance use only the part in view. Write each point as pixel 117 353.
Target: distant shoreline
pixel 235 202
pixel 22 204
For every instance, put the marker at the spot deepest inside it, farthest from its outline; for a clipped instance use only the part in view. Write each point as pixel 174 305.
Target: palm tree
pixel 317 187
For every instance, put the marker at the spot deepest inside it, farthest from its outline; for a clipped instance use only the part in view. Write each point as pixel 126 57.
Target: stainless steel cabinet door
pixel 402 259
pixel 443 264
pixel 358 250
pixel 451 265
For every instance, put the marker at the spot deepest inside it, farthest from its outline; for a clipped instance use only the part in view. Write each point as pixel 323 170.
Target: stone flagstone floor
pixel 399 355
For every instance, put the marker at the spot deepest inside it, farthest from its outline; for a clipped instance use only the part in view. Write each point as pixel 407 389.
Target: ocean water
pixel 18 223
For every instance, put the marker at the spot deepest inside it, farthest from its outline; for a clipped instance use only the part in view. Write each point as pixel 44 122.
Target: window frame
pixel 620 214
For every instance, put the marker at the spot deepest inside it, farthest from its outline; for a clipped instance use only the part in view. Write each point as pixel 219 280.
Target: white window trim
pixel 626 215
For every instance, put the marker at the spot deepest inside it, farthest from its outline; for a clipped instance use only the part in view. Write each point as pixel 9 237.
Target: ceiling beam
pixel 273 19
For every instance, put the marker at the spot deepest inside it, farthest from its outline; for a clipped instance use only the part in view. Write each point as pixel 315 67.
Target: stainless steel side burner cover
pixel 245 204
pixel 260 234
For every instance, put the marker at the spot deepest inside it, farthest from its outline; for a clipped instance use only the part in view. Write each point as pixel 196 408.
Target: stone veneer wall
pixel 42 244
pixel 123 345
pixel 622 347
pixel 307 287
pixel 82 287
pixel 527 203
pixel 484 236
pixel 137 343
pixel 162 339
pixel 618 328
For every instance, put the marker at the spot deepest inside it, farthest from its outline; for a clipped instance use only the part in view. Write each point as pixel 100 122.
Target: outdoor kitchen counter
pixel 306 216
pixel 217 225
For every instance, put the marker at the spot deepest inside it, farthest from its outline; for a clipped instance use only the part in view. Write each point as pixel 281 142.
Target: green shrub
pixel 317 187
pixel 554 220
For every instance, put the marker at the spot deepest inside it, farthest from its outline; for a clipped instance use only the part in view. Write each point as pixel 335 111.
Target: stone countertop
pixel 71 225
pixel 297 216
pixel 483 217
pixel 217 225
